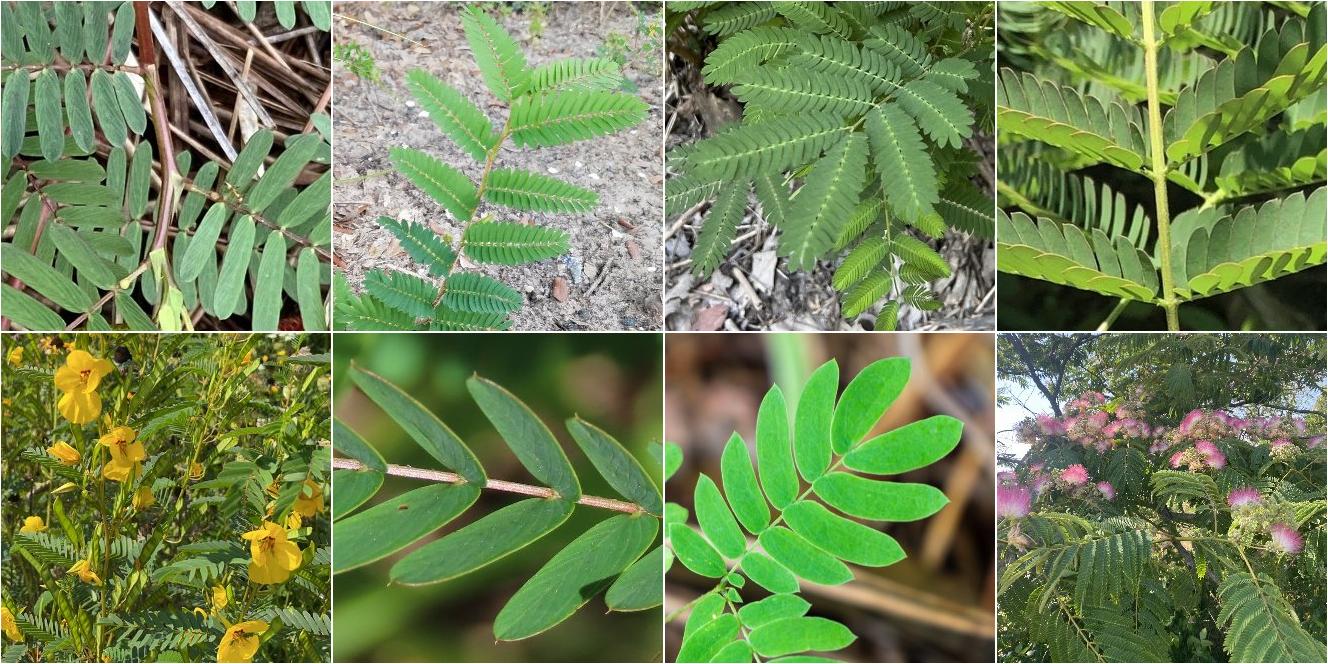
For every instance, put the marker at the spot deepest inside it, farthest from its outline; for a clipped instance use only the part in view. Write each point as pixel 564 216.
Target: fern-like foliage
pixel 807 463
pixel 100 237
pixel 1234 87
pixel 618 556
pixel 556 103
pixel 836 97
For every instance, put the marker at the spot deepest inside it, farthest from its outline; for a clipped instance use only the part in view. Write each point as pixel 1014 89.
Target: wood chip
pixel 560 289
pixel 633 249
pixel 622 221
pixel 710 318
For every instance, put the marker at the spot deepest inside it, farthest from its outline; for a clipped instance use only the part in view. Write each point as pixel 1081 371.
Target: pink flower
pixel 1243 496
pixel 1050 425
pixel 1217 459
pixel 1040 483
pixel 1075 474
pixel 1279 442
pixel 1176 458
pixel 1013 501
pixel 1006 477
pixel 1107 490
pixel 1189 421
pixel 1314 442
pixel 1205 447
pixel 1285 538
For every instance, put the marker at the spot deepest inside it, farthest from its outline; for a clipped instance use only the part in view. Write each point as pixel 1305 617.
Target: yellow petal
pixel 267 574
pixel 80 407
pixel 33 524
pixel 65 453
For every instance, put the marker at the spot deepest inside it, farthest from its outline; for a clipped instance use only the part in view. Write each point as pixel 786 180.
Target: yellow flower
pixel 240 642
pixel 84 571
pixel 311 504
pixel 78 380
pixel 126 453
pixel 11 627
pixel 195 471
pixel 274 557
pixel 33 524
pixel 219 598
pixel 294 521
pixel 15 355
pixel 46 345
pixel 65 453
pixel 143 498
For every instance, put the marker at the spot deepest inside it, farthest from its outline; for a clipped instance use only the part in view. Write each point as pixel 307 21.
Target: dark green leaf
pixel 50 116
pixel 311 201
pixel 309 291
pixel 622 471
pixel 423 426
pixel 44 279
pixel 91 266
pixel 140 180
pixel 122 35
pixel 109 116
pixel 880 501
pixel 395 524
pixel 27 313
pixel 490 538
pixel 81 193
pixel 131 105
pixel 250 158
pixel 641 586
pixel 15 97
pixel 234 266
pixel 524 432
pixel 78 111
pixel 347 441
pixel 299 150
pixel 353 487
pixel 68 170
pixel 574 575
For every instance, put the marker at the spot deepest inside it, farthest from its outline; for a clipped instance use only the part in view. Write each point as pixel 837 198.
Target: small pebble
pixel 594 176
pixel 553 170
pixel 410 104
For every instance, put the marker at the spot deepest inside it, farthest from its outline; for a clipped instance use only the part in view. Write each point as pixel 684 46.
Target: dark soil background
pixel 612 274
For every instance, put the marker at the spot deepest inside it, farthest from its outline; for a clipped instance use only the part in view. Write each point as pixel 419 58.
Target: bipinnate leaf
pixel 803 558
pixel 1260 623
pixel 879 501
pixel 735 467
pixel 396 523
pixel 622 471
pixel 865 400
pixel 827 198
pixel 774 451
pixel 694 552
pixel 748 150
pixel 527 436
pixel 939 112
pixel 564 117
pixel 765 572
pixel 455 115
pixel 450 187
pixel 421 424
pixel 799 90
pixel 909 447
pixel 715 519
pixel 510 243
pixel 354 488
pixel 801 634
pixel 844 538
pixel 489 538
pixel 772 608
pixel 640 586
pixel 708 640
pixel 574 575
pixel 497 55
pixel 816 408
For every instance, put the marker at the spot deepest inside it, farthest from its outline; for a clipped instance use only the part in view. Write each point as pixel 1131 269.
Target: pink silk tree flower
pixel 1075 474
pixel 1107 490
pixel 1050 425
pixel 1285 538
pixel 1013 501
pixel 1205 447
pixel 1243 497
pixel 1216 459
pixel 1279 442
pixel 1189 421
pixel 1177 458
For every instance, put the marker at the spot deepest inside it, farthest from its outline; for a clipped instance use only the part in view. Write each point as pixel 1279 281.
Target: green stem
pixel 1115 313
pixel 1158 172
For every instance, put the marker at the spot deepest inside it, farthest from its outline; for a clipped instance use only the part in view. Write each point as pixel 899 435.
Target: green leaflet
pixel 350 443
pixel 251 156
pixel 865 400
pixel 816 406
pixel 499 58
pixel 467 291
pixel 709 640
pixel 640 586
pixel 845 539
pixel 230 280
pixel 422 425
pixel 524 190
pixel 716 521
pixel 824 202
pixel 131 104
pixel 765 572
pixel 74 248
pixel 354 487
pixel 67 170
pixel 27 313
pixel 800 634
pixel 622 471
pixel 271 278
pixel 309 292
pixel 773 608
pixel 672 459
pixel 909 447
pixel 453 113
pixel 574 575
pixel 704 610
pixel 693 551
pixel 15 96
pixel 736 651
pixel 527 436
pixel 395 523
pixel 774 453
pixel 203 243
pixel 50 115
pixel 300 149
pixel 509 243
pixel 740 486
pixel 879 501
pixel 803 558
pixel 565 117
pixel 423 245
pixel 489 538
pixel 576 74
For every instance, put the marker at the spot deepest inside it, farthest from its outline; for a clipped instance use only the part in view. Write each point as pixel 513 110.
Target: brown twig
pixel 496 485
pixel 147 57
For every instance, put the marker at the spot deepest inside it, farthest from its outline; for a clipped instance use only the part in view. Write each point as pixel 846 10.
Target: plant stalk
pixel 496 485
pixel 1158 172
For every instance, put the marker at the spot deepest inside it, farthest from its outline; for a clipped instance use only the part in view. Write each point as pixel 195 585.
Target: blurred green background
pixel 612 380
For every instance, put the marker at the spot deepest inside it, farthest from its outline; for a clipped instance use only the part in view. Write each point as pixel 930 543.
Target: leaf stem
pixel 1115 313
pixel 495 485
pixel 1158 172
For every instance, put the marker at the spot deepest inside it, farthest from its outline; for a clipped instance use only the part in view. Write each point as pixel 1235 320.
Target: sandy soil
pixel 607 288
